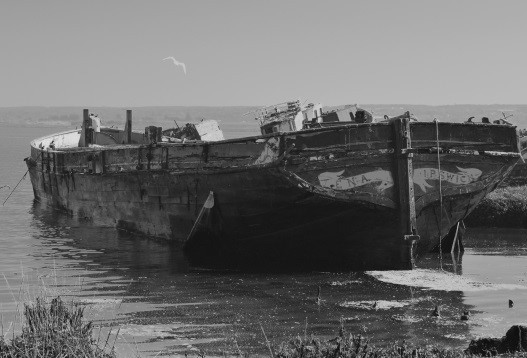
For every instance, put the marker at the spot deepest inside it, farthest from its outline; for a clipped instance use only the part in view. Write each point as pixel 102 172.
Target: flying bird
pixel 177 63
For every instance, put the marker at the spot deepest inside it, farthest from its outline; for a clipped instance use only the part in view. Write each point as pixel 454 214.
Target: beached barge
pixel 334 194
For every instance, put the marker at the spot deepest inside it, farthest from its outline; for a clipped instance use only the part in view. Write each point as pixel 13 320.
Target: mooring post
pixel 153 134
pixel 128 126
pixel 86 127
pixel 405 185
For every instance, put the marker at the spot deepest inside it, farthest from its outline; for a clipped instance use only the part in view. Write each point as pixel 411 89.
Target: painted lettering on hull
pixel 462 177
pixel 383 178
pixel 338 182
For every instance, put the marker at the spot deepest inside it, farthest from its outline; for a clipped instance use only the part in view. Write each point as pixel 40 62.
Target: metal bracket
pixel 412 238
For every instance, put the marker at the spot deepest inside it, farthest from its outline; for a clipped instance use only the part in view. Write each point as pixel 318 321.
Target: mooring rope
pixel 16 186
pixel 440 197
pixel 23 177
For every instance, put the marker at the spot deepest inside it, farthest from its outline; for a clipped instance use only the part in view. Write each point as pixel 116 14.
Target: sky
pixel 109 53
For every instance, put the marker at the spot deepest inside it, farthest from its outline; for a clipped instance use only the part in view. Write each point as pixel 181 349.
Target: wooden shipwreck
pixel 326 189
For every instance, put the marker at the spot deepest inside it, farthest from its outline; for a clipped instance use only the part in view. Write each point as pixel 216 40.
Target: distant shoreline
pixel 236 115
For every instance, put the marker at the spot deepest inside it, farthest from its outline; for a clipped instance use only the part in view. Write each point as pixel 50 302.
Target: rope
pixel 16 186
pixel 23 177
pixel 440 196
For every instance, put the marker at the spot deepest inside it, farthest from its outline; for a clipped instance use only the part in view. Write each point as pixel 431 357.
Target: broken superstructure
pixel 292 116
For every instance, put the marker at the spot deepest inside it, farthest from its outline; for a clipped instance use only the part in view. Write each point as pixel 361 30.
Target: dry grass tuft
pixel 54 330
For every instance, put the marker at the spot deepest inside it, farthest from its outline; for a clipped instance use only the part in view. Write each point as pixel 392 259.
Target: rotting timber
pixel 345 195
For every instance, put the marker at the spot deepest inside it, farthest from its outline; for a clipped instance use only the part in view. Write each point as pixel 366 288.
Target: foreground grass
pixel 58 330
pixel 54 330
pixel 504 207
pixel 513 344
pixel 356 346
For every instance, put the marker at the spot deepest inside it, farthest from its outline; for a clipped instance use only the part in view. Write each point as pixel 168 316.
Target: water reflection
pixel 149 289
pixel 106 245
pixel 450 262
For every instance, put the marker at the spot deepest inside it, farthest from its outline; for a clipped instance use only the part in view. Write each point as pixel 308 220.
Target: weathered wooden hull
pixel 326 198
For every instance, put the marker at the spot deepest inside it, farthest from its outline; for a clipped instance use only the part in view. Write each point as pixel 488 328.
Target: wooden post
pixel 153 134
pixel 455 241
pixel 405 185
pixel 86 127
pixel 128 127
pixel 102 157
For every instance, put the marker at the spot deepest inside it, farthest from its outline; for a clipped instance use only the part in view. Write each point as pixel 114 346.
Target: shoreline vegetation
pixel 506 207
pixel 58 329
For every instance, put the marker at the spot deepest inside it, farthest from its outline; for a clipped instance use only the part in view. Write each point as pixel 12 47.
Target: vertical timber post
pixel 405 186
pixel 86 126
pixel 128 126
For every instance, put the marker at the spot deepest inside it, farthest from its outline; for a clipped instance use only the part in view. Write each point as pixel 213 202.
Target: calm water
pixel 148 290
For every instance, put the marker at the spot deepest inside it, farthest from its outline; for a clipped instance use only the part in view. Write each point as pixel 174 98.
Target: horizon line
pixel 258 106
